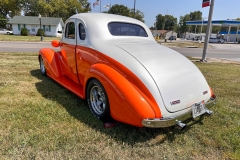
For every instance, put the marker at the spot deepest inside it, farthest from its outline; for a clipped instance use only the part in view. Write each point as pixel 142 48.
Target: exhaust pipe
pixel 208 112
pixel 180 125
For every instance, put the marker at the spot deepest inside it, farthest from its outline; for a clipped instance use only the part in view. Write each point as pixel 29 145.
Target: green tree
pixel 138 15
pixel 152 28
pixel 216 29
pixel 160 22
pixel 183 28
pixel 10 8
pixel 55 8
pixel 120 10
pixel 196 15
pixel 125 11
pixel 30 7
pixel 167 22
pixel 3 21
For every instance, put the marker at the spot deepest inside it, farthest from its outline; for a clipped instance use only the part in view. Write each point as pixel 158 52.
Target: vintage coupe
pixel 114 62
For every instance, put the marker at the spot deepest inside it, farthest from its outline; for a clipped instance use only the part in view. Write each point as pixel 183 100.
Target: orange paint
pixel 211 92
pixel 130 100
pixel 55 43
pixel 131 77
pixel 51 62
pixel 126 103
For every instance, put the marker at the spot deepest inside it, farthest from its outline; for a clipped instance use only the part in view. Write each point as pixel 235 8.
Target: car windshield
pixel 126 29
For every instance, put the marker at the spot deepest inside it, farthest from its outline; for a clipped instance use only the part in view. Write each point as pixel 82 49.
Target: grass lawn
pixel 42 120
pixel 26 38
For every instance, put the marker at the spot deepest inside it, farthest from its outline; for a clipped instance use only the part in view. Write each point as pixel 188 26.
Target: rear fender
pixel 126 103
pixel 51 62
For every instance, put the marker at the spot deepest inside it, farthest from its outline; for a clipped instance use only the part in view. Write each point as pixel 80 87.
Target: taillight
pixel 212 94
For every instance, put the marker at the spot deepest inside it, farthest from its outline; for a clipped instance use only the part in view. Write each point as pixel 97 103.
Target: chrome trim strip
pixel 171 121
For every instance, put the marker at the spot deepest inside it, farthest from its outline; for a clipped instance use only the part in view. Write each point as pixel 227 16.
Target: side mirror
pixel 55 43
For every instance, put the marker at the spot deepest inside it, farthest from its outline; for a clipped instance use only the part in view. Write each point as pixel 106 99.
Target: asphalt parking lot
pixel 224 51
pixel 227 47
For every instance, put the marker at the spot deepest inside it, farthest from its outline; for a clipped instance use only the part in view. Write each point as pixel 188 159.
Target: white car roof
pixel 97 24
pixel 104 18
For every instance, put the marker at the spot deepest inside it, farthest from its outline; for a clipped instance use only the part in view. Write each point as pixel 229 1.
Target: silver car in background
pixel 5 31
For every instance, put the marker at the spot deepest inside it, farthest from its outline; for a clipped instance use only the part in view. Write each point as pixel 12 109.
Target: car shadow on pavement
pixel 78 108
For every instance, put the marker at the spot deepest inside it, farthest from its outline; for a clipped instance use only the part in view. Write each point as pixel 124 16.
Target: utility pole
pixel 134 9
pixel 209 25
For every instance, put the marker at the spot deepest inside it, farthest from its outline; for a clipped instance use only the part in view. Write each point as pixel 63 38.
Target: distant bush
pixel 40 32
pixel 24 32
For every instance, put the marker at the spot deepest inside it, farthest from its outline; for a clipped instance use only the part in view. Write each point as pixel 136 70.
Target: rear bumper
pixel 171 121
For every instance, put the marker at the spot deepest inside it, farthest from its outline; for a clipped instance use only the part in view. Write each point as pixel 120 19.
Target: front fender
pixel 51 62
pixel 127 104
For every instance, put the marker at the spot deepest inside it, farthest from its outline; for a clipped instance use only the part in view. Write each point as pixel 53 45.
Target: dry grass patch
pixel 42 120
pixel 184 44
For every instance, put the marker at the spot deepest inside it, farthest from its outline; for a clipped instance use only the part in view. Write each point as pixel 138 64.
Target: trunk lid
pixel 179 81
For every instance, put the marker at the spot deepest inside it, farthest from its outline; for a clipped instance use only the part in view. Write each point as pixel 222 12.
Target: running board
pixel 69 85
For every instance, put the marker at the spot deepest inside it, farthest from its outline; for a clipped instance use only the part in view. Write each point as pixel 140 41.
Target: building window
pixel 33 28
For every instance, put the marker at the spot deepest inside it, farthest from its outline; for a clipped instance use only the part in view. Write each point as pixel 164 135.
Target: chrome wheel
pixel 42 67
pixel 97 99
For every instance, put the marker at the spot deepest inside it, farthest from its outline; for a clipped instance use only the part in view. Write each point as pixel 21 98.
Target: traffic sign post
pixel 209 25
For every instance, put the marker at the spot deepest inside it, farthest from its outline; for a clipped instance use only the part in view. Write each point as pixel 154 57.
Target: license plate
pixel 198 109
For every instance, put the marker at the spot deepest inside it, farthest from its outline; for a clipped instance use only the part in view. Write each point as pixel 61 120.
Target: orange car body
pixel 132 99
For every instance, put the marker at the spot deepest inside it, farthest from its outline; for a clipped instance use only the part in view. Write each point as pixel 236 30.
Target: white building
pixel 50 25
pixel 198 36
pixel 163 33
pixel 229 36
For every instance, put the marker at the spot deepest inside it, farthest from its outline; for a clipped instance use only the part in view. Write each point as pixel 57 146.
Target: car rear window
pixel 126 29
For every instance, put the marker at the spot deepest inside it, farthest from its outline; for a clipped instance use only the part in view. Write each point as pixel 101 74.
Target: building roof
pixel 226 32
pixel 215 22
pixel 35 20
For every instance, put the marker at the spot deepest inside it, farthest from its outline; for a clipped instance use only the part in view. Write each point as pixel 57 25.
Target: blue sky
pixel 223 9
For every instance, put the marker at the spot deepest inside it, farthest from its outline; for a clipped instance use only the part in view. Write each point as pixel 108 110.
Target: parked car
pixel 115 64
pixel 197 38
pixel 172 38
pixel 5 31
pixel 216 40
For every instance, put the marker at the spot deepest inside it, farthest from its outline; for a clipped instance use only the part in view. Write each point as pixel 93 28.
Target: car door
pixel 68 50
pixel 85 56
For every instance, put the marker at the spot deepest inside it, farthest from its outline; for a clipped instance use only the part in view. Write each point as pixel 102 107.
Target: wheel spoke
pixel 98 99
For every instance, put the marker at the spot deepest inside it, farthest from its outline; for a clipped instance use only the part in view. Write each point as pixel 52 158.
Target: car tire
pixel 42 66
pixel 98 101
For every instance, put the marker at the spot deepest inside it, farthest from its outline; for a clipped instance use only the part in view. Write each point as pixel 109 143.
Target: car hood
pixel 170 77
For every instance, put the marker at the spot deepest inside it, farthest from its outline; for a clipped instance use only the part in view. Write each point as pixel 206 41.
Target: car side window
pixel 70 30
pixel 82 32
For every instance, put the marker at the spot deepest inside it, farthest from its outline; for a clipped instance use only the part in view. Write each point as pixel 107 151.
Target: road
pixel 221 51
pixel 24 46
